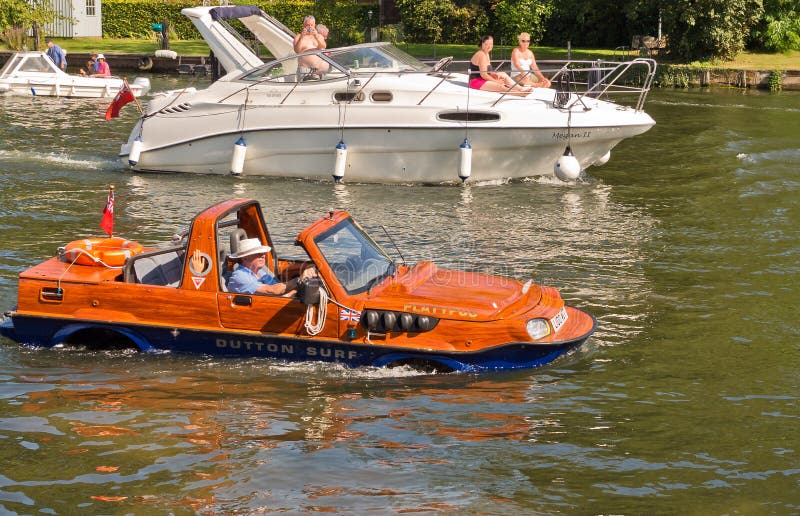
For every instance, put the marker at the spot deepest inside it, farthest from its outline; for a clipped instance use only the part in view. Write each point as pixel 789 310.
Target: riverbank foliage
pixel 690 30
pixel 346 20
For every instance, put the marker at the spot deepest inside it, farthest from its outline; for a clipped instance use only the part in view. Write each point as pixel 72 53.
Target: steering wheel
pixel 441 64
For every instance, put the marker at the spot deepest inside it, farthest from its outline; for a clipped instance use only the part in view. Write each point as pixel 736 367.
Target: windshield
pixel 335 64
pixel 356 260
pixel 10 65
pixel 294 69
pixel 381 57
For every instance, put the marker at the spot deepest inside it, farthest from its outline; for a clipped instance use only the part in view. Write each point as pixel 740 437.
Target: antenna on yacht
pixel 402 258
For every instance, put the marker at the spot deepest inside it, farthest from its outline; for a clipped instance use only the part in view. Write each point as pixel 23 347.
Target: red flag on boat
pixel 124 95
pixel 107 222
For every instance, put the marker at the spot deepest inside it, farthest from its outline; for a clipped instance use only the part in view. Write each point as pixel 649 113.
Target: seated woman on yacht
pixel 523 62
pixel 482 78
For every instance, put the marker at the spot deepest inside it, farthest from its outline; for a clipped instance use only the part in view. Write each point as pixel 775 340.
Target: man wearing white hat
pixel 253 277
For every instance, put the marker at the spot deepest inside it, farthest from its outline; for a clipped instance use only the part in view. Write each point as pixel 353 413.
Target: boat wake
pixel 62 159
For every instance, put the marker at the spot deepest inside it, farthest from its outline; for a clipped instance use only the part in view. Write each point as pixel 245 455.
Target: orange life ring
pixel 111 252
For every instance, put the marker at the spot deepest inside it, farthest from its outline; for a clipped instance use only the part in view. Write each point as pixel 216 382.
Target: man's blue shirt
pixel 57 54
pixel 245 281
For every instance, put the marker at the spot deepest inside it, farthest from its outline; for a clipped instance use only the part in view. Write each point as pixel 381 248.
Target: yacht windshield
pixel 382 57
pixel 308 67
pixel 356 260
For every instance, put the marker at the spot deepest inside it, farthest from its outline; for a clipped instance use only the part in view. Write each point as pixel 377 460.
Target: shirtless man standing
pixel 310 39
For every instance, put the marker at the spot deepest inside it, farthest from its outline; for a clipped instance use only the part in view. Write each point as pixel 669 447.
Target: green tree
pixel 435 21
pixel 779 29
pixel 516 16
pixel 17 16
pixel 601 23
pixel 708 29
pixel 422 19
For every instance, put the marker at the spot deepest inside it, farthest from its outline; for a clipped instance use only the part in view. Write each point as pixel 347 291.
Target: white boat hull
pixel 405 155
pixel 66 89
pixel 34 74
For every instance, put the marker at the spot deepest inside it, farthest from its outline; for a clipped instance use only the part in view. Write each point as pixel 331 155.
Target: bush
pixel 514 17
pixel 600 23
pixel 779 29
pixel 670 77
pixel 15 38
pixel 346 20
pixel 438 21
pixel 776 80
pixel 706 29
pixel 783 35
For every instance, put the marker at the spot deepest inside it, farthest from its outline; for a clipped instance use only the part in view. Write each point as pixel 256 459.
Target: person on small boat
pixel 252 275
pixel 103 70
pixel 481 76
pixel 56 53
pixel 91 65
pixel 524 63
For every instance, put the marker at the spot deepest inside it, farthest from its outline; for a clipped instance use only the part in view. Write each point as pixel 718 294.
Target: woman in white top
pixel 523 64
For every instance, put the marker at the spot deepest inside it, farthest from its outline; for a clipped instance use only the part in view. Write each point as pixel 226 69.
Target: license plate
pixel 559 320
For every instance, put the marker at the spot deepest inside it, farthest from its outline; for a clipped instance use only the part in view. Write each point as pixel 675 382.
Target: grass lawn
pixel 127 46
pixel 744 61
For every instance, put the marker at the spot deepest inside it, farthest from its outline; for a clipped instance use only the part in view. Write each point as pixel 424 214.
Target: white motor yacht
pixel 33 73
pixel 372 113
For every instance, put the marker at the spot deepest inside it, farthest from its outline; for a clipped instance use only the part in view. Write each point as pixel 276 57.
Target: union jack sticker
pixel 350 315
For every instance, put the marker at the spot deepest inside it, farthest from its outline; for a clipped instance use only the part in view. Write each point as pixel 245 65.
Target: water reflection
pixel 684 246
pixel 225 430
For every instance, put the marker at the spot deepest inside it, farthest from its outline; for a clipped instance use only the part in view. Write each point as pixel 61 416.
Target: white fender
pixel 341 162
pixel 136 151
pixel 239 153
pixel 603 159
pixel 464 160
pixel 567 167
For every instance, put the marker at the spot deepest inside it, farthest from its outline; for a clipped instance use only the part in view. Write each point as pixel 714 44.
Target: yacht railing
pixel 574 81
pixel 603 79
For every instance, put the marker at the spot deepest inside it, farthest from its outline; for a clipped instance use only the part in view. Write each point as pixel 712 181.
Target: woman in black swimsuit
pixel 482 78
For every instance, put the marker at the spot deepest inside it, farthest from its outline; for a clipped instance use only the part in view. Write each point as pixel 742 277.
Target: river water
pixel 685 246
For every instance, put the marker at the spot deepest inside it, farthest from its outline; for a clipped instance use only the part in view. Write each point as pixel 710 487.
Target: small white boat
pixel 373 113
pixel 33 73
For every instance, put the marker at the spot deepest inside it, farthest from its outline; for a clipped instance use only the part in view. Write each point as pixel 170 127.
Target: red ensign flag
pixel 107 222
pixel 124 95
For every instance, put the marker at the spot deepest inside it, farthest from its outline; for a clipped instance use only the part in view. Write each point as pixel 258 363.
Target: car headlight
pixel 537 328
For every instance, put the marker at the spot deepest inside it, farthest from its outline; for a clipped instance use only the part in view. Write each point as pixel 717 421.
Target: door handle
pixel 242 300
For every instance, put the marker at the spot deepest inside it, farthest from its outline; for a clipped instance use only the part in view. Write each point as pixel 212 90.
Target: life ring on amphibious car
pixel 144 63
pixel 109 252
